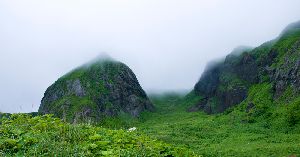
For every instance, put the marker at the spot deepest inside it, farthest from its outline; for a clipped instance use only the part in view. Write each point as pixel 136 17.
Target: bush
pixel 293 113
pixel 23 135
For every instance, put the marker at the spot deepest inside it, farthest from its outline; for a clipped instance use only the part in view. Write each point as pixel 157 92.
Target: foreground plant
pixel 23 135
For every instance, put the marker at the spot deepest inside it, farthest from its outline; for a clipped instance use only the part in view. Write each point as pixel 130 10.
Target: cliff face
pixel 226 84
pixel 103 88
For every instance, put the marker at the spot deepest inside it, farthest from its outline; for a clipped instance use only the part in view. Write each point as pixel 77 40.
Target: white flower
pixel 132 129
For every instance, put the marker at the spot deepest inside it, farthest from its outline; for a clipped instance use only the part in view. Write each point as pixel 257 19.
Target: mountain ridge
pixel 271 69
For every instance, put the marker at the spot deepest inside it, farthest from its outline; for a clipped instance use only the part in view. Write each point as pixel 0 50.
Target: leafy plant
pixel 23 135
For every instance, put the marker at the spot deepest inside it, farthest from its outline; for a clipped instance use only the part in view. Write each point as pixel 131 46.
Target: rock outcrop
pixel 94 91
pixel 225 83
pixel 288 73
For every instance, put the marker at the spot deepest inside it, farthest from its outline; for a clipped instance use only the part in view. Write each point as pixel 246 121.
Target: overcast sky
pixel 167 43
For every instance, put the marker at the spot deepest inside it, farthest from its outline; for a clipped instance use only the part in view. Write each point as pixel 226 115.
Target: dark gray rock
pixel 209 81
pixel 200 106
pixel 232 97
pixel 74 86
pixel 227 82
pixel 288 74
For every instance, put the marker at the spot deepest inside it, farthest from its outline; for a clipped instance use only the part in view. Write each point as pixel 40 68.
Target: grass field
pixel 215 135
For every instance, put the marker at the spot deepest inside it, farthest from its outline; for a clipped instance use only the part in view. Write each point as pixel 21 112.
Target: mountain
pixel 258 79
pixel 255 91
pixel 96 90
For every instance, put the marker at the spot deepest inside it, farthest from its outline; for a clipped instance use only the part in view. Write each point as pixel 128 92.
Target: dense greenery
pixel 263 130
pixel 22 135
pixel 227 134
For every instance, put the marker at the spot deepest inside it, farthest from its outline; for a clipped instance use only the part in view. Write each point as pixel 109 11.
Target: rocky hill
pixel 275 64
pixel 99 89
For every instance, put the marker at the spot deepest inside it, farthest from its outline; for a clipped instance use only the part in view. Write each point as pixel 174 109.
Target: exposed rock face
pixel 209 81
pixel 288 74
pixel 74 86
pixel 94 91
pixel 226 83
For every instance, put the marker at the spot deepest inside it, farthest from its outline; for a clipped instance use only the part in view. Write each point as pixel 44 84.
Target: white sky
pixel 166 42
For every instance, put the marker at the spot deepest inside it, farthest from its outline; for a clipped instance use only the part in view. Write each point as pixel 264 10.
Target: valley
pixel 247 104
pixel 224 134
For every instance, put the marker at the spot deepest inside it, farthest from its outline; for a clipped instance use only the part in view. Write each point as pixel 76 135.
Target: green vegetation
pixel 286 46
pixel 22 135
pixel 99 91
pixel 227 134
pixel 266 129
pixel 69 112
pixel 230 81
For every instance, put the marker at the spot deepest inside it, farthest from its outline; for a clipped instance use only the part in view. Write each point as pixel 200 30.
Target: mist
pixel 166 43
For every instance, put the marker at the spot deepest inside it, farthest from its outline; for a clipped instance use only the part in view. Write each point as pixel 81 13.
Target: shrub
pixel 23 135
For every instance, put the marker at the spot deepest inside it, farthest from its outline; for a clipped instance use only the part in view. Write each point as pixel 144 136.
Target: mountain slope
pixel 99 89
pixel 274 64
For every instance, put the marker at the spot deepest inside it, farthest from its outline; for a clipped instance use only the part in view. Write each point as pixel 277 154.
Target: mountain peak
pixel 98 89
pixel 292 26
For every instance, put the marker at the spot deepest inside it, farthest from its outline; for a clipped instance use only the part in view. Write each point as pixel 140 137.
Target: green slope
pixel 229 82
pixel 227 134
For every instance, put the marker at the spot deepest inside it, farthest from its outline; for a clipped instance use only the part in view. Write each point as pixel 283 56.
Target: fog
pixel 167 43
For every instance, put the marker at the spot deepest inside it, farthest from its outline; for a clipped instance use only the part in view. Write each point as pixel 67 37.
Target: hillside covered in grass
pixel 226 134
pixel 23 135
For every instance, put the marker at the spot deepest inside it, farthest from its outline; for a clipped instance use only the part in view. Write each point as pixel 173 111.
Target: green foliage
pixel 22 135
pixel 75 74
pixel 261 52
pixel 222 134
pixel 122 121
pixel 72 106
pixel 229 81
pixel 293 112
pixel 260 96
pixel 284 45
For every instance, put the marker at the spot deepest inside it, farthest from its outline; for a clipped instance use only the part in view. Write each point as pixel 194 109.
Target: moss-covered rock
pixel 93 91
